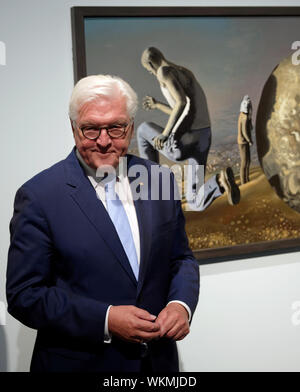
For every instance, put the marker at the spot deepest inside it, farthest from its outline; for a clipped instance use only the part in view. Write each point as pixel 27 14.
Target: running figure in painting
pixel 187 134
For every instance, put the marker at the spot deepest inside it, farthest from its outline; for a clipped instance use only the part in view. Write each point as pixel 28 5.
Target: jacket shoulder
pixel 47 179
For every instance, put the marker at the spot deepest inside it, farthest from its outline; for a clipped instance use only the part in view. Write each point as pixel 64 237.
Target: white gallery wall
pixel 247 316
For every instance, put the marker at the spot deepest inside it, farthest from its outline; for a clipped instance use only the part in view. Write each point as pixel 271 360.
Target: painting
pixel 215 65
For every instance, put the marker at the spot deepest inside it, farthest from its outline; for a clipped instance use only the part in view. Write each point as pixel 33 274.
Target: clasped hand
pixel 136 325
pixel 149 103
pixel 159 141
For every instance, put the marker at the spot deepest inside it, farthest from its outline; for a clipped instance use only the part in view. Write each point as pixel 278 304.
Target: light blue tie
pixel 120 220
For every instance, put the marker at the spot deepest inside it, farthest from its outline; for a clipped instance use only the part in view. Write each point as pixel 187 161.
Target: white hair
pixel 92 87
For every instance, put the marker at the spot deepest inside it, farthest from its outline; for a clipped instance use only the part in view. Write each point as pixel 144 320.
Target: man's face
pixel 148 67
pixel 146 63
pixel 103 111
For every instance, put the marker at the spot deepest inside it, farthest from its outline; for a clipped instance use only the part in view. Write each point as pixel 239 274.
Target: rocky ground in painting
pixel 260 216
pixel 227 155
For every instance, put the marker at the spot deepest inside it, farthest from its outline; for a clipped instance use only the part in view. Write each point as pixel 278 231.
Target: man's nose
pixel 104 138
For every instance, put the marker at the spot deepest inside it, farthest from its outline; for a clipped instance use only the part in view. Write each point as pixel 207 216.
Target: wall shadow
pixel 3 351
pixel 181 365
pixel 25 344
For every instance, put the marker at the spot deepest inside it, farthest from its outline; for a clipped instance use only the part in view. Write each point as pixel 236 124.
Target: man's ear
pixel 132 129
pixel 72 126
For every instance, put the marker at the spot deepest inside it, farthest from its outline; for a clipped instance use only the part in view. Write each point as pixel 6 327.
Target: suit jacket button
pixel 144 349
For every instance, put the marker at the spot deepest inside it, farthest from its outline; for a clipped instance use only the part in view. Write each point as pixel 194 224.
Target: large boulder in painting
pixel 278 131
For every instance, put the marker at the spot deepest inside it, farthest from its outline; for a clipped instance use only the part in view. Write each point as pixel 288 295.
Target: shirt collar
pixel 91 173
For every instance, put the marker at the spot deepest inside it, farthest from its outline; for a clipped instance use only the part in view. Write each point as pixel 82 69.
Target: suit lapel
pixel 83 193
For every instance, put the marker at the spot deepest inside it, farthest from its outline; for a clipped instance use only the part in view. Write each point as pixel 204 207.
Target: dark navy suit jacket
pixel 66 265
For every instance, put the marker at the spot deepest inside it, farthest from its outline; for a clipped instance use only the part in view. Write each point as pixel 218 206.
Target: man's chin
pixel 109 161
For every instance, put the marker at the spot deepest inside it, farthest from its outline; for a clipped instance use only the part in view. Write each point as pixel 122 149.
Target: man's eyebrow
pixel 88 125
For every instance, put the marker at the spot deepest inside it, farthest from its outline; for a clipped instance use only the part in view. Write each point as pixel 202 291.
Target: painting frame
pixel 78 15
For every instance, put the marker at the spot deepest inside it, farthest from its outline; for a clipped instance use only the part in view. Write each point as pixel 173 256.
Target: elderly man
pixel 110 283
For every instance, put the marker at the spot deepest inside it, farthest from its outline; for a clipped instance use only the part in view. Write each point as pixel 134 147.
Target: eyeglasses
pixel 115 131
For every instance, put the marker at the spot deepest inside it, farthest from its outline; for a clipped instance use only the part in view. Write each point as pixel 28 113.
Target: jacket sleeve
pixel 32 296
pixel 184 284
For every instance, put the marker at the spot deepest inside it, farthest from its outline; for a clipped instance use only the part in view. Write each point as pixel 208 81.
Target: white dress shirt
pixel 122 188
